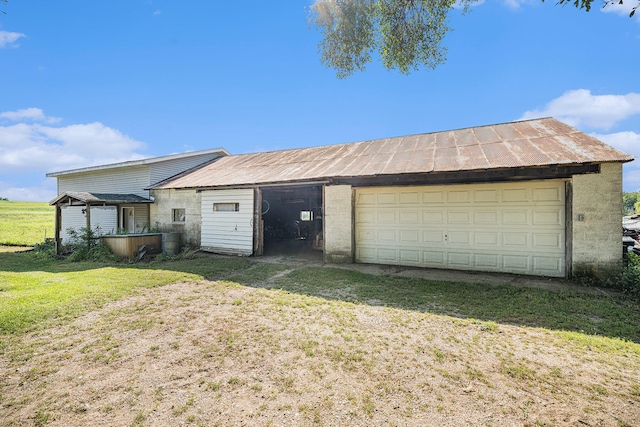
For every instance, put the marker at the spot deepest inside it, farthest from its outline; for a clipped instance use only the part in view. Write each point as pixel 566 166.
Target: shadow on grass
pixel 608 315
pixel 605 315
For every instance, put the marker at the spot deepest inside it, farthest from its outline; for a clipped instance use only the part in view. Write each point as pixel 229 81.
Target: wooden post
pixel 58 226
pixel 88 212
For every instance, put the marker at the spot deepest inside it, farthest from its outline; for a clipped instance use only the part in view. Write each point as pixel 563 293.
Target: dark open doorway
pixel 292 218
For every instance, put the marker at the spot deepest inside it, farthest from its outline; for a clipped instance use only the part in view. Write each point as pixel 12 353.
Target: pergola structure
pixel 86 199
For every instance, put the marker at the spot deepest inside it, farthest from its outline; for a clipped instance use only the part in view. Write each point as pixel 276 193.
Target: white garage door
pixel 227 221
pixel 507 227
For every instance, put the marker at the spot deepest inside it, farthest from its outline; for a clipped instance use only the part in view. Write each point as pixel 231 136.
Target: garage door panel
pixel 367 236
pixel 489 238
pixel 433 218
pixel 488 261
pixel 410 236
pixel 387 198
pixel 457 217
pixel 484 196
pixel 433 197
pixel 459 237
pixel 366 254
pixel 388 255
pixel 486 217
pixel 388 236
pixel 511 227
pixel 410 257
pixel 515 217
pixel 387 217
pixel 548 240
pixel 434 258
pixel 549 264
pixel 366 199
pixel 459 259
pixel 409 217
pixel 516 263
pixel 551 194
pixel 515 195
pixel 410 198
pixel 547 217
pixel 433 236
pixel 458 196
pixel 517 239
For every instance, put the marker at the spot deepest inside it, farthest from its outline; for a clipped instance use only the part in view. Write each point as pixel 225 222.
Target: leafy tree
pixel 586 4
pixel 407 34
pixel 631 202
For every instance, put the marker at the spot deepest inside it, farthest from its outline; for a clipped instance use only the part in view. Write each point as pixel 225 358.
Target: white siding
pixel 228 232
pixel 163 170
pixel 507 227
pixel 103 217
pixel 129 180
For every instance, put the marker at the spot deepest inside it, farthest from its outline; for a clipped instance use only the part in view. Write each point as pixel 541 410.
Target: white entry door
pixel 504 227
pixel 128 220
pixel 227 221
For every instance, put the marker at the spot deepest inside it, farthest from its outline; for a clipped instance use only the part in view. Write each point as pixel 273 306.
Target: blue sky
pixel 85 83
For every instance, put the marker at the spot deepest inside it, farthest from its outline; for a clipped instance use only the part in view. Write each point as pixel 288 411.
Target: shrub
pixel 86 246
pixel 629 279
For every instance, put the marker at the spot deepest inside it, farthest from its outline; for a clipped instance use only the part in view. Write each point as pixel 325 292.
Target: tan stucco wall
pixel 597 238
pixel 161 212
pixel 338 224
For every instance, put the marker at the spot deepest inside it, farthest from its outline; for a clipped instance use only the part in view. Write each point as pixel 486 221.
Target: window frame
pixel 175 211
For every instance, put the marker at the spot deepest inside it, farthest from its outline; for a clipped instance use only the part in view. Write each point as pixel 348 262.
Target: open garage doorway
pixel 292 220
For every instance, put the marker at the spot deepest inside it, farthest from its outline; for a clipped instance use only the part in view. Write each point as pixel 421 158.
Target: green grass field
pixel 219 326
pixel 25 223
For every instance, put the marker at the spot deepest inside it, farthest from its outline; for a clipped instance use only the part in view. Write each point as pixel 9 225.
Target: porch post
pixel 58 226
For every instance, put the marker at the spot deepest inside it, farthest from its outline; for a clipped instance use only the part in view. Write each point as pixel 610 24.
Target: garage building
pixel 534 197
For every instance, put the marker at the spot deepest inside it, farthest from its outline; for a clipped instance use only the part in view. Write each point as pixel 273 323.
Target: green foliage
pixel 630 203
pixel 407 34
pixel 25 223
pixel 586 4
pixel 629 279
pixel 86 246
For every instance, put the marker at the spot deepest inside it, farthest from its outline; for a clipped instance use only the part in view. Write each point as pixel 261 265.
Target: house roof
pixel 529 143
pixel 151 160
pixel 98 198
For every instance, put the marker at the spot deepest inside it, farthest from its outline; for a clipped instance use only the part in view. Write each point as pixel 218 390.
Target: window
pixel 178 216
pixel 226 207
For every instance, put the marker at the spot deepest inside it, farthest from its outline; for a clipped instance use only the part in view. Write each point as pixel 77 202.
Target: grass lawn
pixel 25 223
pixel 228 341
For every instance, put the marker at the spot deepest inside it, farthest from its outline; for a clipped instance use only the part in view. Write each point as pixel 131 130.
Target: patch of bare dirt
pixel 215 353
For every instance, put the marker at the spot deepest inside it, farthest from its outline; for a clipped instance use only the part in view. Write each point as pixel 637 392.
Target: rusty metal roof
pixel 519 144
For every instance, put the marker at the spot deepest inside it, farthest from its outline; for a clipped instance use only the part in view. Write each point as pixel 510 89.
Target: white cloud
pixel 8 38
pixel 157 12
pixel 623 9
pixel 629 142
pixel 44 192
pixel 581 108
pixel 514 4
pixel 631 177
pixel 34 147
pixel 32 114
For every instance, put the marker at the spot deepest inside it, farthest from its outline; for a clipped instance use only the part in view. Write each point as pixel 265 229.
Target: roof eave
pixel 221 151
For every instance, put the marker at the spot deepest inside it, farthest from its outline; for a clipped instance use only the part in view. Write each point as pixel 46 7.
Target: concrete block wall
pixel 597 221
pixel 167 200
pixel 338 224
